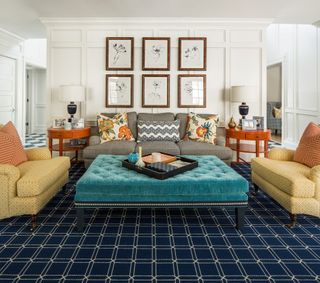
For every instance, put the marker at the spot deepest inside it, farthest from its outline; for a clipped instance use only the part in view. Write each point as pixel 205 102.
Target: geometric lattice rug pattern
pixel 160 245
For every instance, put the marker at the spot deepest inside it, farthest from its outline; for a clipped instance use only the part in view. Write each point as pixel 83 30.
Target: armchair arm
pixel 9 176
pixel 315 177
pixel 41 153
pixel 283 154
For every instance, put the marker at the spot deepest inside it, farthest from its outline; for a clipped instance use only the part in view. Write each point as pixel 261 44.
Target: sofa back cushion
pixel 158 131
pixel 307 151
pixel 156 117
pixel 11 148
pixel 132 123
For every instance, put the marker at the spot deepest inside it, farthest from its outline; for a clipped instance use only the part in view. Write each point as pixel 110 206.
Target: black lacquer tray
pixel 191 164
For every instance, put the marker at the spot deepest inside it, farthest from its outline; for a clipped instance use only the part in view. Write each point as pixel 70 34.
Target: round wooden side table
pixel 62 134
pixel 257 135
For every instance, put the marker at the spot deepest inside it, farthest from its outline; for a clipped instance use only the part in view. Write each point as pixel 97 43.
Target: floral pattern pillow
pixel 115 128
pixel 202 129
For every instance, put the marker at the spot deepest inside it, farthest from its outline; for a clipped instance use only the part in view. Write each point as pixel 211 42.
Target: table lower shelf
pixel 247 148
pixel 67 147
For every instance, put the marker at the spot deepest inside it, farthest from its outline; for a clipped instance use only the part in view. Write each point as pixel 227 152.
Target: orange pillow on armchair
pixel 11 149
pixel 308 150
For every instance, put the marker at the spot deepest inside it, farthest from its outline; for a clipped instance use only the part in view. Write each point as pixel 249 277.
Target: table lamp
pixel 72 94
pixel 243 94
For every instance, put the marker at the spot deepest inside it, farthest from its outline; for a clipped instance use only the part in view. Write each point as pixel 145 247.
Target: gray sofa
pixel 182 147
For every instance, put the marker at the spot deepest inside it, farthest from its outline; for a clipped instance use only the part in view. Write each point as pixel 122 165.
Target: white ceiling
pixel 22 16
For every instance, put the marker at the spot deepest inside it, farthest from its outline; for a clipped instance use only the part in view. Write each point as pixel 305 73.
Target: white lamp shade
pixel 72 93
pixel 243 93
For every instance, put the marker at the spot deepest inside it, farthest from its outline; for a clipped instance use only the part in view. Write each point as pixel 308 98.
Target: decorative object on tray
pixel 67 126
pixel 115 128
pixel 164 158
pixel 192 54
pixel 119 91
pixel 259 122
pixel 163 170
pixel 58 123
pixel 72 94
pixel 119 53
pixel 156 53
pixel 243 94
pixel 133 157
pixel 201 129
pixel 79 124
pixel 249 124
pixel 158 130
pixel 156 91
pixel 191 91
pixel 140 162
pixel 232 123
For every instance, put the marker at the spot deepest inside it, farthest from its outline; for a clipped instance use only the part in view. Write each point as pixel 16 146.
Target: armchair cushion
pixel 308 149
pixel 11 149
pixel 290 177
pixel 37 176
pixel 41 153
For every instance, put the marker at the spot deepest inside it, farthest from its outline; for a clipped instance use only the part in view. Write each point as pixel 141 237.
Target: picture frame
pixel 119 53
pixel 192 91
pixel 155 91
pixel 58 122
pixel 156 53
pixel 192 54
pixel 259 122
pixel 249 124
pixel 119 91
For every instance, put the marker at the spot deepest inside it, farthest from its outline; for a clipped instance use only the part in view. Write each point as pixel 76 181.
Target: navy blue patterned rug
pixel 160 245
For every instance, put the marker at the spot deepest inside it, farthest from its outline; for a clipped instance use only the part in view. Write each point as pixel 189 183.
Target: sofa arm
pixel 315 177
pixel 282 154
pixel 41 153
pixel 9 175
pixel 94 140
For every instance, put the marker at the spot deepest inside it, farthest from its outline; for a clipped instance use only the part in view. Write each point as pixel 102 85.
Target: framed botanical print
pixel 119 91
pixel 119 53
pixel 192 54
pixel 192 91
pixel 156 53
pixel 156 91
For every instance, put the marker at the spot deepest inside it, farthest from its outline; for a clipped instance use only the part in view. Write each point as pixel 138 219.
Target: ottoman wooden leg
pixel 240 212
pixel 80 218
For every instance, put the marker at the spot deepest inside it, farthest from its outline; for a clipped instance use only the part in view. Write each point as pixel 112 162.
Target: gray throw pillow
pixel 158 131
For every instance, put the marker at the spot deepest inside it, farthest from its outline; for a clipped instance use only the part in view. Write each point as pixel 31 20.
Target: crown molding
pixel 144 20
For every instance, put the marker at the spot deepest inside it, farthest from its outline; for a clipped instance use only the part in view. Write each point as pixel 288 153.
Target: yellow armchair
pixel 27 188
pixel 295 186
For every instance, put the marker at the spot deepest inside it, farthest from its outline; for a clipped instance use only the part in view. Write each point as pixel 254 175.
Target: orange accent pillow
pixel 308 152
pixel 11 149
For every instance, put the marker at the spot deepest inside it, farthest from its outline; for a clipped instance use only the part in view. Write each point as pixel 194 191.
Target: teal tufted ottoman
pixel 107 184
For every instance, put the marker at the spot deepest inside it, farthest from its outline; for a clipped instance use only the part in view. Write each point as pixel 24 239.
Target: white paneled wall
pixel 236 55
pixel 297 47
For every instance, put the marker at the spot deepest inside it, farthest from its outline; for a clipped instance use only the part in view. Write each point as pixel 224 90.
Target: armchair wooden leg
pixel 33 222
pixel 256 189
pixel 293 219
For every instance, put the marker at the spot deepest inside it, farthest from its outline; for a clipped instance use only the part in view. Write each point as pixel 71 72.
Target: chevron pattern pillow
pixel 158 130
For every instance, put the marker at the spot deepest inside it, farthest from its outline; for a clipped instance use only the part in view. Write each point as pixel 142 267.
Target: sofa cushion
pixel 132 123
pixel 112 147
pixel 159 146
pixel 156 117
pixel 38 176
pixel 290 177
pixel 201 148
pixel 158 130
pixel 11 148
pixel 307 151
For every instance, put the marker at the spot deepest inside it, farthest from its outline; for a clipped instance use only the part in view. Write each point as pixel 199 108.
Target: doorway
pixel 274 101
pixel 36 103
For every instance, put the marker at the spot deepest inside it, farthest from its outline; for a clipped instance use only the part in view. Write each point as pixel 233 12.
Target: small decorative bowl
pixel 133 157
